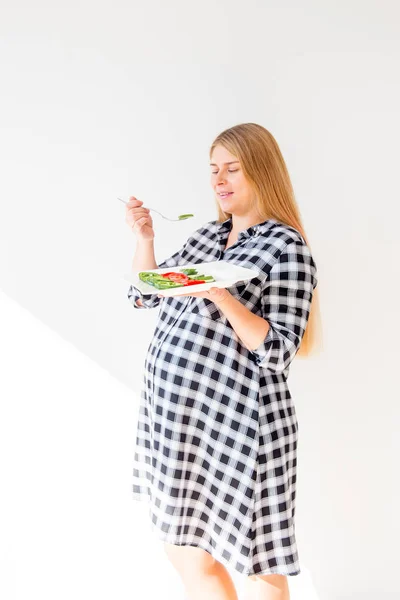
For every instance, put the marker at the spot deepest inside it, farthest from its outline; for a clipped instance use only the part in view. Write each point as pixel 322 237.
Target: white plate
pixel 225 274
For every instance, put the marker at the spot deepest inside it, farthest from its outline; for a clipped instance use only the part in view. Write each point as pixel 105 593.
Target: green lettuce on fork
pixel 173 279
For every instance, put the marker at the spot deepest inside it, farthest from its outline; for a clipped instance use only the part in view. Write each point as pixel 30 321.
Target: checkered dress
pixel 217 431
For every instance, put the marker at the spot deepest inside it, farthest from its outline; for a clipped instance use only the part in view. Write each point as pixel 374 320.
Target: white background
pixel 100 100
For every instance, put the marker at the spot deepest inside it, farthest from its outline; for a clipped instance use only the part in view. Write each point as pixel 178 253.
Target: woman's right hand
pixel 139 219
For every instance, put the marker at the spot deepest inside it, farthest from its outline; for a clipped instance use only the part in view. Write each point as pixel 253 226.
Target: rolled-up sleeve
pixel 286 302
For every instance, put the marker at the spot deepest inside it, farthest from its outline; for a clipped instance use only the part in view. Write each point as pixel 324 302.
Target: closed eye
pixel 229 170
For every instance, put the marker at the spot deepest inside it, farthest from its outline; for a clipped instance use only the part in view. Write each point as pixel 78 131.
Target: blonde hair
pixel 265 169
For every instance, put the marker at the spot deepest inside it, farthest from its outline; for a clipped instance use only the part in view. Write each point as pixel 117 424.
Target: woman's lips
pixel 225 195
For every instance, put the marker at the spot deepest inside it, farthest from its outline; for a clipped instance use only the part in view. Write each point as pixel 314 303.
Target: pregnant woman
pixel 217 431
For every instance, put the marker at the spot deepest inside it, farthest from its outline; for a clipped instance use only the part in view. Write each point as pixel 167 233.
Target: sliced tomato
pixel 177 277
pixel 191 282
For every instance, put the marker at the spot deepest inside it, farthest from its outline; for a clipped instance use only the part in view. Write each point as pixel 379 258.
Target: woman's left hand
pixel 215 294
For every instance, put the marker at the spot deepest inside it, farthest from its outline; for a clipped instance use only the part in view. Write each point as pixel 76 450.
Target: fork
pixel 180 218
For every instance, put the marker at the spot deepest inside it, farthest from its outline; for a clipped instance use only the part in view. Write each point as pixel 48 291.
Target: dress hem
pixel 214 553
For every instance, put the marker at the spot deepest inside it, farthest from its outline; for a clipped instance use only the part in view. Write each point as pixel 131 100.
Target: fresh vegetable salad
pixel 174 279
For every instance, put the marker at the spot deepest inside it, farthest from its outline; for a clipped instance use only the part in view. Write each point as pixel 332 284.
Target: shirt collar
pixel 254 230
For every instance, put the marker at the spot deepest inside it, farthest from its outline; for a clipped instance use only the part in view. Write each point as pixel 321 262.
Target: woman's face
pixel 227 176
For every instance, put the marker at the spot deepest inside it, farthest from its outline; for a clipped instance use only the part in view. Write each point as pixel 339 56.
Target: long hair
pixel 265 169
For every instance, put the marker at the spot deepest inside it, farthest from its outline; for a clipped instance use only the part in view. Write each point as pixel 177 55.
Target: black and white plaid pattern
pixel 217 430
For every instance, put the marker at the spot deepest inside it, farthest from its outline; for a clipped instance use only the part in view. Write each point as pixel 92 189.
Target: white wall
pixel 124 98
